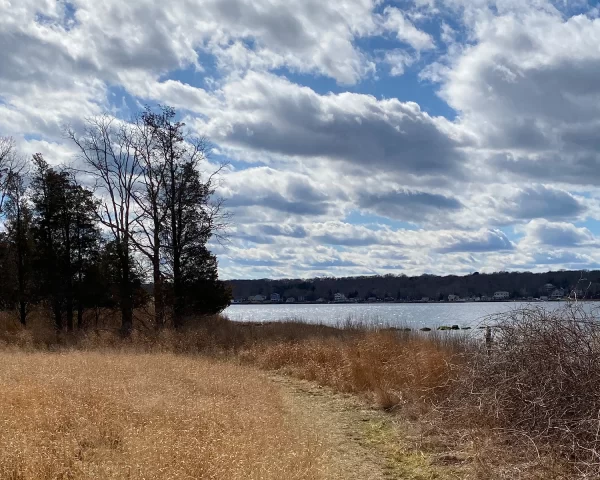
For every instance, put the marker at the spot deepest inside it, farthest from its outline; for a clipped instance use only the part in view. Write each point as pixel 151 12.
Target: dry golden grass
pixel 391 367
pixel 80 415
pixel 160 402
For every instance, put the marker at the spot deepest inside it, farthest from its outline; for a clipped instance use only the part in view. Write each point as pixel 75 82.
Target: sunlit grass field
pixel 79 415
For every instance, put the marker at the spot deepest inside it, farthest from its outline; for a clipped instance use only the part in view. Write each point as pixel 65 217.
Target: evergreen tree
pixel 67 239
pixel 18 247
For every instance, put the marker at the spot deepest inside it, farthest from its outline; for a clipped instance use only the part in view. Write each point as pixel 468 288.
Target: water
pixel 413 315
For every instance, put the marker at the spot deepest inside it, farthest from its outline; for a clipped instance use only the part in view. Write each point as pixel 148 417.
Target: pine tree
pixel 18 245
pixel 67 237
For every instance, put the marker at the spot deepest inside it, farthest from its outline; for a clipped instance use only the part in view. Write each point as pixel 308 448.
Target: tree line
pixel 135 208
pixel 414 288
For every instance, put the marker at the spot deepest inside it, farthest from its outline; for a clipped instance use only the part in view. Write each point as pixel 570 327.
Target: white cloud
pixel 398 60
pixel 522 151
pixel 263 112
pixel 396 22
pixel 558 234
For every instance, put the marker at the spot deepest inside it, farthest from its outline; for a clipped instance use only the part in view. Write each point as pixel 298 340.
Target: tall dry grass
pixel 84 415
pixel 392 367
pixel 530 400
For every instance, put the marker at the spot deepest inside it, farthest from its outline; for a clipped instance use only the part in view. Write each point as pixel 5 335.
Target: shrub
pixel 539 379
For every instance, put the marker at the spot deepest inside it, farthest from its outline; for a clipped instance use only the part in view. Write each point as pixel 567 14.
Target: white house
pixel 501 296
pixel 257 298
pixel 275 298
pixel 290 300
pixel 339 297
pixel 453 298
pixel 558 294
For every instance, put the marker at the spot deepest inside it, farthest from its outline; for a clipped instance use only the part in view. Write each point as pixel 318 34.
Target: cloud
pixel 398 60
pixel 55 55
pixel 573 261
pixel 317 106
pixel 526 86
pixel 263 187
pixel 405 31
pixel 263 112
pixel 541 201
pixel 293 231
pixel 483 241
pixel 408 205
pixel 558 234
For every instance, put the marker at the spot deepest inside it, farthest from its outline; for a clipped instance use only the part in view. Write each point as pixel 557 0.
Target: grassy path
pixel 363 443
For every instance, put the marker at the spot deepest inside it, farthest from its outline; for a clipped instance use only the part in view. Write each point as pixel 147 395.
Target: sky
pixel 362 136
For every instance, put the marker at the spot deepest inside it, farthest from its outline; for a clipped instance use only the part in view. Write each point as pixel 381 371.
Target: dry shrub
pixel 539 381
pixel 84 415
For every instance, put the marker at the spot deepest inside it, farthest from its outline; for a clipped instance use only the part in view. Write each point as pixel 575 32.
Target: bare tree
pixel 150 201
pixel 109 153
pixel 179 212
pixel 8 159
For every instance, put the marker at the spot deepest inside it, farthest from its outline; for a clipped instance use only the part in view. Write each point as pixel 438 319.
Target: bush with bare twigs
pixel 540 380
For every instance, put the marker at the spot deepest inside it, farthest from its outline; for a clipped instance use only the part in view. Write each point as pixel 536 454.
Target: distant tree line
pixel 402 287
pixel 134 209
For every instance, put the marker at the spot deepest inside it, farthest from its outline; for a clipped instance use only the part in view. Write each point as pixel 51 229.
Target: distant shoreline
pixel 443 302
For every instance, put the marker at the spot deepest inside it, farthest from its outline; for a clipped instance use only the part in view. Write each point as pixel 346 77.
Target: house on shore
pixel 339 297
pixel 557 294
pixel 453 298
pixel 501 295
pixel 275 298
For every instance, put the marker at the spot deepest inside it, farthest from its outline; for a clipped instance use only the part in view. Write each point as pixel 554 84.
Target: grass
pixel 444 386
pixel 391 368
pixel 83 415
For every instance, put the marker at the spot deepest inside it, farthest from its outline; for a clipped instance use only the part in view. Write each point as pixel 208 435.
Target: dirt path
pixel 367 444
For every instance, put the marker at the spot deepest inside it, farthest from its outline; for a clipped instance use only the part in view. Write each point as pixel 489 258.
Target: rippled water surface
pixel 414 315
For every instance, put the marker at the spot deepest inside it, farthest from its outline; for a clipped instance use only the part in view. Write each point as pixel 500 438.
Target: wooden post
pixel 488 339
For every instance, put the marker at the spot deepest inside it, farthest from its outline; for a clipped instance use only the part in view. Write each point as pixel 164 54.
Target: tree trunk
pixel 159 303
pixel 126 317
pixel 69 308
pixel 126 294
pixel 177 294
pixel 57 311
pixel 68 279
pixel 21 270
pixel 79 294
pixel 79 315
pixel 159 300
pixel 23 312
